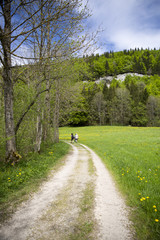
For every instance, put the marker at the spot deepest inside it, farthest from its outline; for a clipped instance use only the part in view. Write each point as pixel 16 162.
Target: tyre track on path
pixel 54 212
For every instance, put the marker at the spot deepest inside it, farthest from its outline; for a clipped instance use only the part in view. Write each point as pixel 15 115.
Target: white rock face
pixel 120 77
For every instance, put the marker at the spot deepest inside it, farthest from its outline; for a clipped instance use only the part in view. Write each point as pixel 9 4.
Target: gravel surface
pixel 54 212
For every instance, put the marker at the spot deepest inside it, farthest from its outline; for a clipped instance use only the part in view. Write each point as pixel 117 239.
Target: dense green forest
pixel 136 61
pixel 73 96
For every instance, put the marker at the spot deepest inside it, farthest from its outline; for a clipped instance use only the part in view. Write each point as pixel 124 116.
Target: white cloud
pixel 23 52
pixel 127 24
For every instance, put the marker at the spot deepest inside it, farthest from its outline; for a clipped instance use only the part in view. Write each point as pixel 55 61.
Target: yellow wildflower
pixel 156 220
pixel 154 206
pixel 155 210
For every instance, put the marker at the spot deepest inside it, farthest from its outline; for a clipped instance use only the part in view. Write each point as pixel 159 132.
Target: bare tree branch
pixel 28 108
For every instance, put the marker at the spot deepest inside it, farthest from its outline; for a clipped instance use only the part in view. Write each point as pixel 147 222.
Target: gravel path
pixel 56 211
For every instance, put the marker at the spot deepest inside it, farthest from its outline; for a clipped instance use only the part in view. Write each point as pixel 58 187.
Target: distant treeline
pixel 135 102
pixel 113 63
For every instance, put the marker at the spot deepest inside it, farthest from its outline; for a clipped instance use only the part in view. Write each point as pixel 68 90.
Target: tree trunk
pixel 8 85
pixel 39 127
pixel 38 134
pixel 46 131
pixel 9 121
pixel 47 113
pixel 56 114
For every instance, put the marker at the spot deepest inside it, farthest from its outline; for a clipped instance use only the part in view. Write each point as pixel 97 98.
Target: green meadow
pixel 132 156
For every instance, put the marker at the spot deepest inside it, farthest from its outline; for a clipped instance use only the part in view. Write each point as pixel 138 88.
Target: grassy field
pixel 133 157
pixel 19 181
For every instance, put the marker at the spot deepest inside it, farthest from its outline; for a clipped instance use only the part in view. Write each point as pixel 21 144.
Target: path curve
pixel 53 211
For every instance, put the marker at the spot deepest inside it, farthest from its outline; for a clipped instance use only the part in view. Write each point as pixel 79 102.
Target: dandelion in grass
pixel 155 210
pixel 147 197
pixel 156 220
pixel 154 206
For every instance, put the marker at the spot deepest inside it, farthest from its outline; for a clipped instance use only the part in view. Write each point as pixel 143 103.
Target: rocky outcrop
pixel 120 77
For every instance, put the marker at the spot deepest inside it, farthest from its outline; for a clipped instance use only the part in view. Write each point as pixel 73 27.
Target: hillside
pixel 127 61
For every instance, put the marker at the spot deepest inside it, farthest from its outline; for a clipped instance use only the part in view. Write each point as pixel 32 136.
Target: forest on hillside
pixel 56 87
pixel 134 101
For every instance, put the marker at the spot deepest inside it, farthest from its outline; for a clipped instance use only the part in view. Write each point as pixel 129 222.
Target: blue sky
pixel 126 23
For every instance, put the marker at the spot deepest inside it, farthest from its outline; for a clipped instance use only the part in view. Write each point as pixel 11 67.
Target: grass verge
pixel 132 156
pixel 19 181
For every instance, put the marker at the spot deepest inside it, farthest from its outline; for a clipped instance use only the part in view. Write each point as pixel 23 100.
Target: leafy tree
pixel 153 85
pixel 139 115
pixel 99 67
pixel 153 111
pixel 98 109
pixel 120 107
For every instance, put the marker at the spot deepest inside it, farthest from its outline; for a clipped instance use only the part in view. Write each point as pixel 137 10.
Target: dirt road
pixel 79 201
